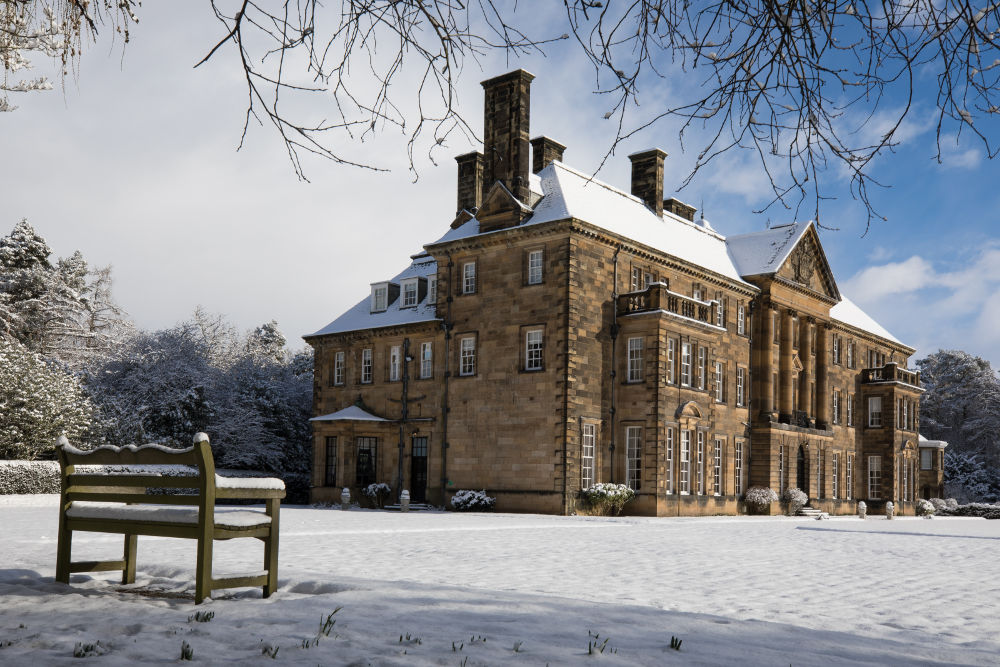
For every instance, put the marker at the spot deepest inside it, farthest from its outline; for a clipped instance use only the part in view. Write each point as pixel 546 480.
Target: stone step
pixel 809 511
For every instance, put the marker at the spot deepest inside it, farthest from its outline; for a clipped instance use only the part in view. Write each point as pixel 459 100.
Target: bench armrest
pixel 249 487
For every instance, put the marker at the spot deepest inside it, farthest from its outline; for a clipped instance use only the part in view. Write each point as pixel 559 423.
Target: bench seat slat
pixel 239 582
pixel 137 480
pixel 97 565
pixel 119 497
pixel 230 519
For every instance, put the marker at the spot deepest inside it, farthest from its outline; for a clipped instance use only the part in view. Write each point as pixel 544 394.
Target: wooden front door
pixel 418 469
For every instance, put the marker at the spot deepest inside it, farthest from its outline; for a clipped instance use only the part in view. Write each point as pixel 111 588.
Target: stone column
pixel 786 373
pixel 822 388
pixel 805 356
pixel 765 369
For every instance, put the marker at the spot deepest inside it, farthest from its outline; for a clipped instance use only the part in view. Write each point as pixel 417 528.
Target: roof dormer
pixel 384 294
pixel 413 291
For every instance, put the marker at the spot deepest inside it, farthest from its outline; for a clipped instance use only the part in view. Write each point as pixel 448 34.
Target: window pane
pixel 633 436
pixel 587 458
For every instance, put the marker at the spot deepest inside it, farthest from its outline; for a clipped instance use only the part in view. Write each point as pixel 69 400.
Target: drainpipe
pixel 404 414
pixel 749 394
pixel 446 325
pixel 614 358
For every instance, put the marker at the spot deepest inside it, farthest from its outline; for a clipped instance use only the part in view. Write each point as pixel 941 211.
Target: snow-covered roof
pixel 760 253
pixel 849 313
pixel 360 316
pixel 570 193
pixel 936 444
pixel 352 413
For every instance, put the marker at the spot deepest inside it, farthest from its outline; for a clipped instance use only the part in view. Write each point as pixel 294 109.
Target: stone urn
pixel 889 510
pixel 404 501
pixel 862 509
pixel 345 499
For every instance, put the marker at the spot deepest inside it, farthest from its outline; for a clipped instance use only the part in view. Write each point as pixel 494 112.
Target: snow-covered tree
pixel 38 403
pixel 961 403
pixel 64 312
pixel 53 29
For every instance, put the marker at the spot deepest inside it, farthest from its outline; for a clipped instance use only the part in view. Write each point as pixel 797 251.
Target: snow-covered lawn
pixel 485 589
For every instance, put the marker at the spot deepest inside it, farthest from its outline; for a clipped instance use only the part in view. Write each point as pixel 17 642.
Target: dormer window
pixel 383 295
pixel 409 293
pixel 380 298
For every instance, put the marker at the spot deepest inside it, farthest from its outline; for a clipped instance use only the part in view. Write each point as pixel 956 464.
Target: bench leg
pixel 131 544
pixel 63 555
pixel 271 548
pixel 203 577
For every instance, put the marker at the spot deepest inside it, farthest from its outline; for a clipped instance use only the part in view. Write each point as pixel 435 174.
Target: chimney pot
pixel 647 178
pixel 506 117
pixel 677 207
pixel 544 151
pixel 470 181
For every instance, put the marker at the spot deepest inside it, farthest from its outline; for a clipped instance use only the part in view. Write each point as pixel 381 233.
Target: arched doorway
pixel 801 471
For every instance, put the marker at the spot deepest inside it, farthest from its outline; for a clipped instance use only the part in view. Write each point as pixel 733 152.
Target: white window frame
pixel 836 406
pixel 685 476
pixel 338 368
pixel 411 293
pixel 849 478
pixel 535 262
pixel 426 360
pixel 685 364
pixel 850 409
pixel 588 442
pixel 366 366
pixel 469 278
pixel 635 361
pixel 717 468
pixel 671 361
pixel 720 312
pixel 820 460
pixel 836 350
pixel 534 350
pixel 432 289
pixel 781 469
pixel 700 470
pixel 906 480
pixel 633 456
pixel 380 298
pixel 741 316
pixel 467 356
pixel 670 460
pixel 850 354
pixel 394 363
pixel 874 412
pixel 741 388
pixel 738 468
pixel 636 279
pixel 835 479
pixel 647 279
pixel 874 477
pixel 928 456
pixel 702 366
pixel 718 382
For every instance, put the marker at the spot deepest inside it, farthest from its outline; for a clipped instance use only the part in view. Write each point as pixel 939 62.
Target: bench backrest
pixel 113 486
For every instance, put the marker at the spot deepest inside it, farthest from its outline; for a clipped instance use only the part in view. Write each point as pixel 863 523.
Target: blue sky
pixel 135 164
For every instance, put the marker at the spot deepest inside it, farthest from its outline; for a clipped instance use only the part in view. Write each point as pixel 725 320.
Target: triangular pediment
pixel 806 265
pixel 463 217
pixel 500 209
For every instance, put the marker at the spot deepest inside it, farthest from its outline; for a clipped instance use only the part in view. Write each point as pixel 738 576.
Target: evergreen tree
pixel 39 403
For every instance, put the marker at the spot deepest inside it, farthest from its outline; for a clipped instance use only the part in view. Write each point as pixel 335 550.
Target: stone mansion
pixel 563 332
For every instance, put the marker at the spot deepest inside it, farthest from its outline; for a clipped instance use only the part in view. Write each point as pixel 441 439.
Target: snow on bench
pixel 137 490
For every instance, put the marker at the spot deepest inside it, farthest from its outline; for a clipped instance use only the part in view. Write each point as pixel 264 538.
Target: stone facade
pixel 534 350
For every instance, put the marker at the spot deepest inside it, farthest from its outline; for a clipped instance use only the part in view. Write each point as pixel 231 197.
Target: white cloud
pixel 877 282
pixel 955 155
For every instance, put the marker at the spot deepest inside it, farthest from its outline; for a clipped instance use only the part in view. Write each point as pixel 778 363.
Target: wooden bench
pixel 147 501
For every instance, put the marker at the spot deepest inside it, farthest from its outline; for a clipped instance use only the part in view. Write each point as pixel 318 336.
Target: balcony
pixel 891 372
pixel 657 297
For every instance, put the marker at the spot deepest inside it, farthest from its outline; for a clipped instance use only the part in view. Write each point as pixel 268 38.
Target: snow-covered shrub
pixel 378 493
pixel 38 403
pixel 795 498
pixel 608 499
pixel 925 507
pixel 759 498
pixel 29 477
pixel 940 504
pixel 472 501
pixel 983 510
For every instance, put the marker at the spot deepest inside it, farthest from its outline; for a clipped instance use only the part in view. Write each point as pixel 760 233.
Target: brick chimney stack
pixel 470 181
pixel 505 132
pixel 647 178
pixel 544 151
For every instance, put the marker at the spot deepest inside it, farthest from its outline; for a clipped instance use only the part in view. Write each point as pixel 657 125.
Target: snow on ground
pixel 438 588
